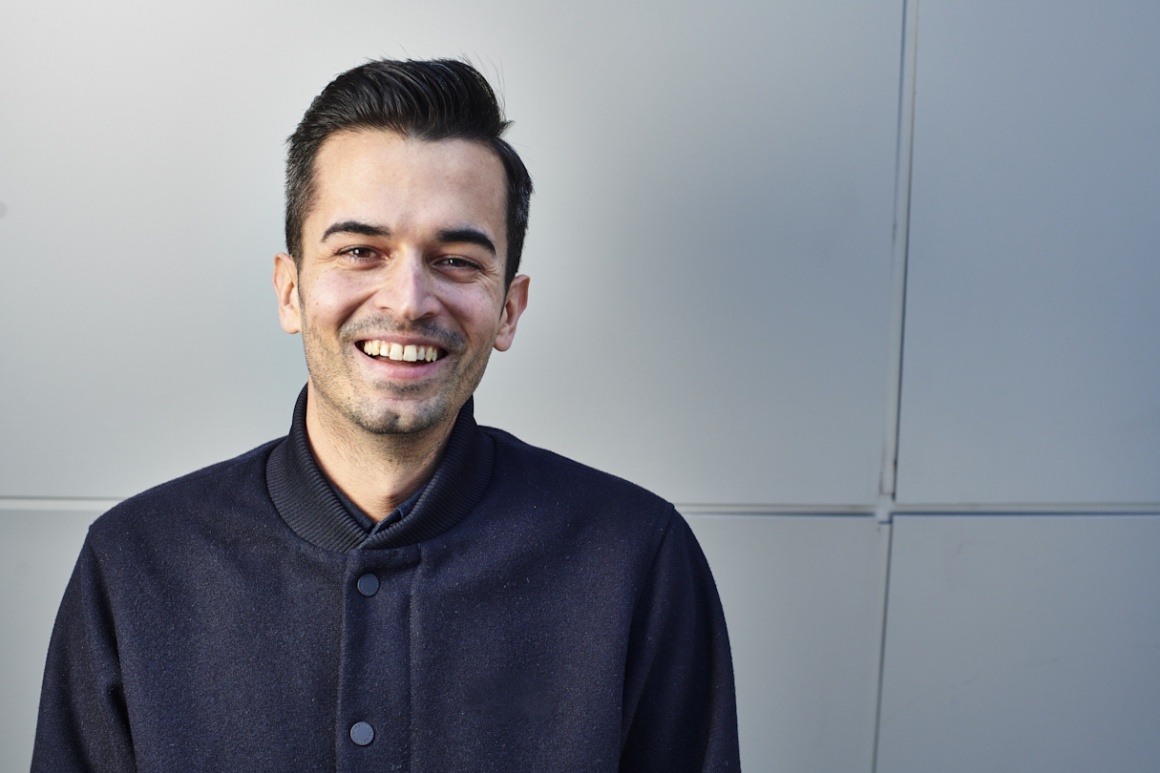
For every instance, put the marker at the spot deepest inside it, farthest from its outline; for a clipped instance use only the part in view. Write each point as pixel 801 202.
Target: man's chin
pixel 407 419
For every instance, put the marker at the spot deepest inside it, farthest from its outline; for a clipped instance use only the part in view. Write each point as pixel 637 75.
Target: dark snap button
pixel 362 733
pixel 368 585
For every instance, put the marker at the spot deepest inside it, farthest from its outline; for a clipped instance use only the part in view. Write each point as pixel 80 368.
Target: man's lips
pixel 397 352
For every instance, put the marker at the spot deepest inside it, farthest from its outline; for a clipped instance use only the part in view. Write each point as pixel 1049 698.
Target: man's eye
pixel 359 253
pixel 454 261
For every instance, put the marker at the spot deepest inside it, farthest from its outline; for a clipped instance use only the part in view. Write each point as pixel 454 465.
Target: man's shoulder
pixel 533 470
pixel 227 485
pixel 541 493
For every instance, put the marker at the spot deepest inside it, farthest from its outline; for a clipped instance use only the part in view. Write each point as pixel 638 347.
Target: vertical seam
pixel 903 181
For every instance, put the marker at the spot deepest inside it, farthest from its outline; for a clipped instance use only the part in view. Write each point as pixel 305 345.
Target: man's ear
pixel 513 306
pixel 286 288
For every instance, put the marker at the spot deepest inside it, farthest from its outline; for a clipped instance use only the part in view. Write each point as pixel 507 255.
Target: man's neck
pixel 376 472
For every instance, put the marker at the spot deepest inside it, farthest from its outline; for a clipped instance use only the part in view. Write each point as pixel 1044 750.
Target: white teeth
pixel 401 353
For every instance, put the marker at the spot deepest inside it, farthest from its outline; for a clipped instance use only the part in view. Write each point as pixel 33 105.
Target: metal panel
pixel 1032 316
pixel 710 244
pixel 1022 643
pixel 803 598
pixel 37 552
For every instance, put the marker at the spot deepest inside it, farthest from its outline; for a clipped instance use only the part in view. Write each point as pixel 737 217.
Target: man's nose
pixel 407 289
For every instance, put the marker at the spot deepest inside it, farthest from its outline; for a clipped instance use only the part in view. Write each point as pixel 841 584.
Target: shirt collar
pixel 369 525
pixel 315 510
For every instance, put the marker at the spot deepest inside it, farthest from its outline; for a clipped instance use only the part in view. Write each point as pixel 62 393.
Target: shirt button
pixel 368 585
pixel 362 733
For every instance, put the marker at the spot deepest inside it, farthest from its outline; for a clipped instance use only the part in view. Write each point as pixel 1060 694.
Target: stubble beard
pixel 333 376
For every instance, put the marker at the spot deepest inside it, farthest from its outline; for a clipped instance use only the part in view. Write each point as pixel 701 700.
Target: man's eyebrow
pixel 466 236
pixel 355 227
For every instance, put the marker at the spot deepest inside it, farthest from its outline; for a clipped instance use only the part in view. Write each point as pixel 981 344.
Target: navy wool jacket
pixel 527 614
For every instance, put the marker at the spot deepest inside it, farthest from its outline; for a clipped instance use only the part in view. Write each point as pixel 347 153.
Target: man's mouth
pixel 402 352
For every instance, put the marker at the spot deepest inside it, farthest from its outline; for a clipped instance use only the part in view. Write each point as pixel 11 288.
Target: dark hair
pixel 428 100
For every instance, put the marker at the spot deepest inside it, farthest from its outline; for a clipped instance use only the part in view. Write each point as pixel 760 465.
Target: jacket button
pixel 368 585
pixel 362 733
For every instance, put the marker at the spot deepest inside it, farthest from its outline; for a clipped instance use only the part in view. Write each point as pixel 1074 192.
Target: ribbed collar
pixel 309 505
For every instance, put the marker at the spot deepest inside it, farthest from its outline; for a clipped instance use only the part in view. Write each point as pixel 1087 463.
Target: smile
pixel 402 352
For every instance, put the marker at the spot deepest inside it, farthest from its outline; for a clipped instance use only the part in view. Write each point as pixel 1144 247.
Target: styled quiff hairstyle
pixel 428 100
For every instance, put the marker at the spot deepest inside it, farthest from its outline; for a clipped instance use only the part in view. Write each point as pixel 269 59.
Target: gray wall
pixel 868 289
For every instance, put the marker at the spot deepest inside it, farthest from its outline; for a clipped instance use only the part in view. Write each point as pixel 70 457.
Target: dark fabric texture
pixel 527 614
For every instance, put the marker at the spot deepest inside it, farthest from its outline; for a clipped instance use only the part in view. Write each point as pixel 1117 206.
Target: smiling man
pixel 392 586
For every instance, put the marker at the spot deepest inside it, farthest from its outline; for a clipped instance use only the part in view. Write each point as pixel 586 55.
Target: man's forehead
pixel 378 170
pixel 389 183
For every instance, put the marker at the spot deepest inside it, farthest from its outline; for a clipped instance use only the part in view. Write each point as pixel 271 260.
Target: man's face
pixel 399 294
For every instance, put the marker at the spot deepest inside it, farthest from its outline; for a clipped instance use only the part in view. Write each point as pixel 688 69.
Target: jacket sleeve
pixel 680 711
pixel 83 722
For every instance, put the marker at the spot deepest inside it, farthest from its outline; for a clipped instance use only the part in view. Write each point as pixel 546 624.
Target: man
pixel 391 586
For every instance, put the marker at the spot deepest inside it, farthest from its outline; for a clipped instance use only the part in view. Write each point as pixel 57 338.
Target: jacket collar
pixel 308 504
